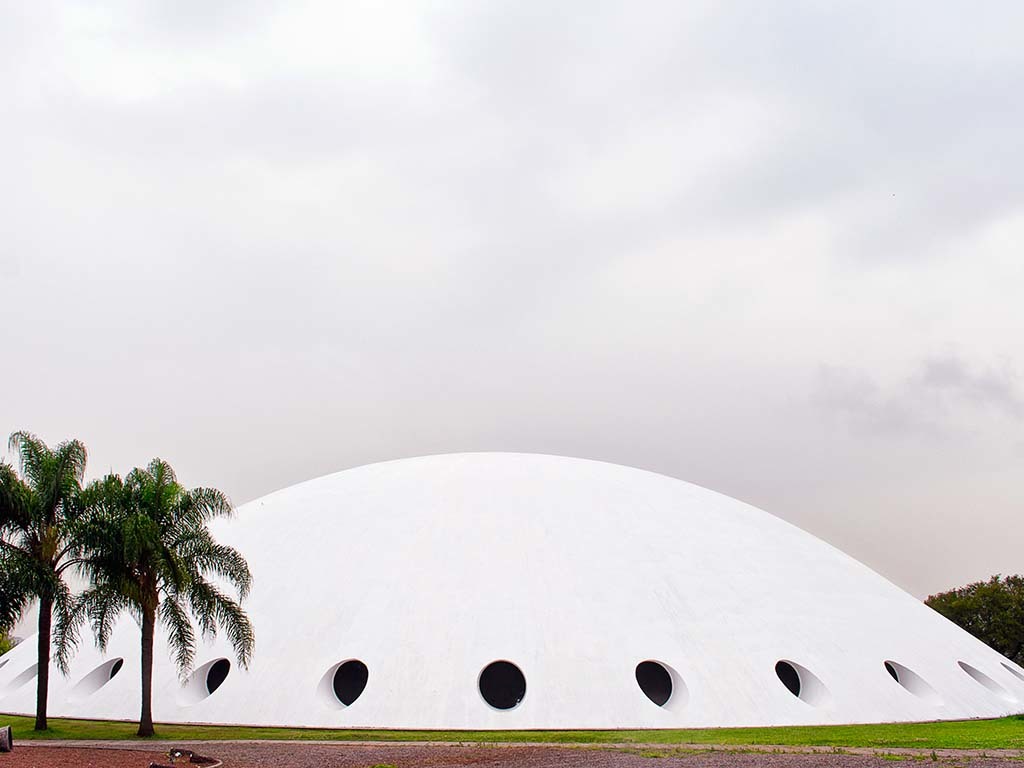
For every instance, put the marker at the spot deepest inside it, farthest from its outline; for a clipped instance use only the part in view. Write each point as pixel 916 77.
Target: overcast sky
pixel 773 249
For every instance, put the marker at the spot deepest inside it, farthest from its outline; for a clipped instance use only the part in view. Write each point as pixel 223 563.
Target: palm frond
pixel 15 593
pixel 214 609
pixel 73 457
pixel 229 564
pixel 180 636
pixel 208 503
pixel 14 500
pixel 102 605
pixel 32 454
pixel 68 614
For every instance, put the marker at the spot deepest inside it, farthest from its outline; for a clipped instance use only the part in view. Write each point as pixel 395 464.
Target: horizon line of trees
pixel 141 544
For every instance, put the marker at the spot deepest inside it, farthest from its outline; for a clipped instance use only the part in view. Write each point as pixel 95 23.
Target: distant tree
pixel 39 520
pixel 992 611
pixel 5 644
pixel 148 551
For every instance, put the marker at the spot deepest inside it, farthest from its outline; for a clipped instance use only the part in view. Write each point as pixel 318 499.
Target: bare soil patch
pixel 79 757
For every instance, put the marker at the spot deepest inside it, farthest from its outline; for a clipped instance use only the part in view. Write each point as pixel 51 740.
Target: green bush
pixel 992 611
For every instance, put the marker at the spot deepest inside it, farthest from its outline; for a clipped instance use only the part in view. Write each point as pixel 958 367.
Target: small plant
pixel 934 756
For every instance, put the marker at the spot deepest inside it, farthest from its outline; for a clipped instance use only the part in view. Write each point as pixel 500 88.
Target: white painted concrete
pixel 428 569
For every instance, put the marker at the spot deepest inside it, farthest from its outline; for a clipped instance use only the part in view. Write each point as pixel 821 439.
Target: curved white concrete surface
pixel 428 569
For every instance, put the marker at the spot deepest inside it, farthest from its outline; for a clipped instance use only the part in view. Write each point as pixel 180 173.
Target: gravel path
pixel 341 755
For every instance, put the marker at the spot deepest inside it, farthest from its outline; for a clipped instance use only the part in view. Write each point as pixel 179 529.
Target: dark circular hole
pixel 216 674
pixel 350 680
pixel 789 676
pixel 115 668
pixel 655 681
pixel 502 684
pixel 892 671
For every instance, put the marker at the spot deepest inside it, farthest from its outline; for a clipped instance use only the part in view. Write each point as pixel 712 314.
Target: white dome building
pixel 477 591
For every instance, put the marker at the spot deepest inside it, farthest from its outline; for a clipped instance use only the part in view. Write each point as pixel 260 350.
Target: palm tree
pixel 39 520
pixel 148 551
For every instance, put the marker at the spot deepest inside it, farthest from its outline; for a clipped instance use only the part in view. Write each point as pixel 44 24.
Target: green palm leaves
pixel 142 543
pixel 148 550
pixel 39 524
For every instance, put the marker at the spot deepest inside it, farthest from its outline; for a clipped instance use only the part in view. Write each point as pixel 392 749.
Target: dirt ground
pixel 79 757
pixel 300 755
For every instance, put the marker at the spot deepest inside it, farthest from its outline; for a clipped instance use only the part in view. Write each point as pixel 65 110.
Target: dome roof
pixel 609 597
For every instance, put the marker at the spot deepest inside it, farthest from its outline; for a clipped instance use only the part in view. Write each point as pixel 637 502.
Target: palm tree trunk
pixel 148 627
pixel 43 660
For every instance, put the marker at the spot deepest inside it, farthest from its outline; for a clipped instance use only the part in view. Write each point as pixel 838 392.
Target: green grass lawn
pixel 1004 733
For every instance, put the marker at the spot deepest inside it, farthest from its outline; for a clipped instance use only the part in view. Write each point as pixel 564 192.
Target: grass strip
pixel 1002 733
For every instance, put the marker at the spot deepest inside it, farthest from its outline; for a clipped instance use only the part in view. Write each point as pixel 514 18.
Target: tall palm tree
pixel 39 522
pixel 148 551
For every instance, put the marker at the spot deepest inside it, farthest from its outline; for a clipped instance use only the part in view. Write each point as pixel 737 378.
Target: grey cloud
pixel 860 402
pixel 935 401
pixel 996 389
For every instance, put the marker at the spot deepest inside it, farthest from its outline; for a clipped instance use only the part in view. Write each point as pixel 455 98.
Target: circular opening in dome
pixel 1012 671
pixel 343 683
pixel 502 685
pixel 986 682
pixel 789 676
pixel 95 680
pixel 349 680
pixel 801 682
pixel 655 681
pixel 204 681
pixel 217 674
pixel 912 682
